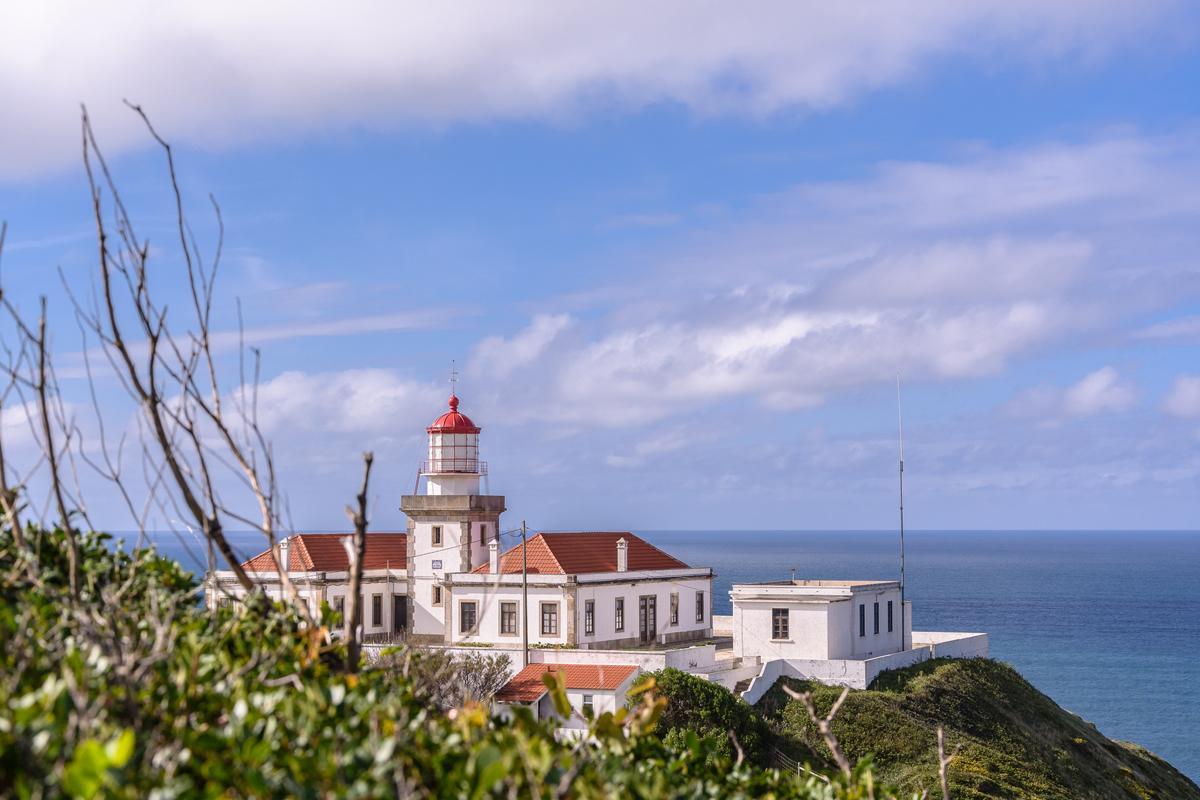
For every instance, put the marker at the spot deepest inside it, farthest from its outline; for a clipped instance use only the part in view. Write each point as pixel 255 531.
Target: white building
pixel 319 567
pixel 449 582
pixel 591 690
pixel 587 590
pixel 445 582
pixel 819 619
pixel 838 632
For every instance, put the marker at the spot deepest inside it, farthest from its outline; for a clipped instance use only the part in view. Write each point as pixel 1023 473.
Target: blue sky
pixel 678 256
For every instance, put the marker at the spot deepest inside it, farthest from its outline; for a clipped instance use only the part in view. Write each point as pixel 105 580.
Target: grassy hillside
pixel 1016 741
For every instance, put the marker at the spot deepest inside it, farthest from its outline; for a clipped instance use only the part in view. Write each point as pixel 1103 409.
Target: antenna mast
pixel 900 421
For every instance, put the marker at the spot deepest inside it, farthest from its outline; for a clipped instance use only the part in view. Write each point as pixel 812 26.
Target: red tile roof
pixel 324 552
pixel 527 686
pixel 581 552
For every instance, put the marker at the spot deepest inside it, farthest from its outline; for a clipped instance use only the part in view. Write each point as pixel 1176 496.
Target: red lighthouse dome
pixel 453 421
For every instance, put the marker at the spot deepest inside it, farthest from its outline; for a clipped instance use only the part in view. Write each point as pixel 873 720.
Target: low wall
pixel 858 674
pixel 771 671
pixel 952 645
pixel 905 658
pixel 722 625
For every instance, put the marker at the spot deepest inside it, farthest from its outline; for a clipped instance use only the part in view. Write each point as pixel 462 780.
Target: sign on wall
pixel 437 563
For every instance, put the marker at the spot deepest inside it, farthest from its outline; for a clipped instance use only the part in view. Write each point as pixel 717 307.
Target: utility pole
pixel 900 420
pixel 525 601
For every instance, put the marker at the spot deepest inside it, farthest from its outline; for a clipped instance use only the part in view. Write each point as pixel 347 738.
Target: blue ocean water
pixel 1106 623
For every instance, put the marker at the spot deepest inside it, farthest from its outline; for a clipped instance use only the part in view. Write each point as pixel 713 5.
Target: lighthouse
pixel 450 524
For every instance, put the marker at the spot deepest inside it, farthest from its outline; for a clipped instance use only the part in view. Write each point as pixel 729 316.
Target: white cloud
pixel 791 349
pixel 219 72
pixel 366 403
pixel 1181 327
pixel 1183 400
pixel 1098 392
pixel 497 357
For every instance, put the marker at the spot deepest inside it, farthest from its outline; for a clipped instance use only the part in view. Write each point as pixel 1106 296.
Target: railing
pixel 469 466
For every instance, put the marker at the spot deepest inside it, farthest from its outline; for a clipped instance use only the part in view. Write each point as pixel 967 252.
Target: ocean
pixel 1106 623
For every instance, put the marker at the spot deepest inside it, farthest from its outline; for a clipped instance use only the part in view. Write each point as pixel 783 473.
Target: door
pixel 399 613
pixel 647 618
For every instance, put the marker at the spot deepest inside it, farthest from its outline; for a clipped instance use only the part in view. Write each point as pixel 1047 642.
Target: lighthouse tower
pixel 450 525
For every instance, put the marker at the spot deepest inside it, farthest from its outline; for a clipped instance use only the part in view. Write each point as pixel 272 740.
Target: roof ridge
pixel 305 556
pixel 659 549
pixel 542 535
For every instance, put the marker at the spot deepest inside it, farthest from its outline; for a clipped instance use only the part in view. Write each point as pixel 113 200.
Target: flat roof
pixel 822 582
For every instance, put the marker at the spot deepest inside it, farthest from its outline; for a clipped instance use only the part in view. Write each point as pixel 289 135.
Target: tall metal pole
pixel 900 420
pixel 524 601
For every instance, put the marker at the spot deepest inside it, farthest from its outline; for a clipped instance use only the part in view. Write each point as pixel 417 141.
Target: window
pixel 876 619
pixel 549 619
pixel 482 534
pixel 862 620
pixel 674 608
pixel 589 707
pixel 339 606
pixel 508 618
pixel 376 609
pixel 589 617
pixel 437 535
pixel 437 595
pixel 699 606
pixel 619 614
pixel 889 616
pixel 779 623
pixel 466 616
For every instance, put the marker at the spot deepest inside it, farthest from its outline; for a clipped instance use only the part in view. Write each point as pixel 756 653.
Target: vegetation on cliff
pixel 1013 741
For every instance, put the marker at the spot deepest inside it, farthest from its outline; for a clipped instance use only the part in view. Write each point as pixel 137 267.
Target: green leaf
pixel 558 692
pixel 84 776
pixel 120 749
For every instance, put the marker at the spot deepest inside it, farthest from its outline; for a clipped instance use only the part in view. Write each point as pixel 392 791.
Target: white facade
pixel 818 619
pixel 843 633
pixel 382 589
pixel 595 610
pixel 440 546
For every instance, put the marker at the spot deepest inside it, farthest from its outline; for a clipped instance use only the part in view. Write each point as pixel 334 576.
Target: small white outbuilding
pixel 819 619
pixel 838 632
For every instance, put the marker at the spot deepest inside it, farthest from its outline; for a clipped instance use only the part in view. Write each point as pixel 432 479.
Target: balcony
pixel 465 466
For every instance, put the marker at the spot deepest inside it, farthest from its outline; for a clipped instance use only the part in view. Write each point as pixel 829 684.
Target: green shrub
pixel 712 713
pixel 135 689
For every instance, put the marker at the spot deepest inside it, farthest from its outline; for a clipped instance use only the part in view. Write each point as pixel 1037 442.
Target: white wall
pixel 432 563
pixel 859 673
pixel 808 625
pixel 328 591
pixel 605 596
pixel 871 644
pixel 488 599
pixel 818 627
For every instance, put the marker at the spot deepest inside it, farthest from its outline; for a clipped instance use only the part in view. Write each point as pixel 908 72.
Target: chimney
pixel 622 555
pixel 283 553
pixel 494 556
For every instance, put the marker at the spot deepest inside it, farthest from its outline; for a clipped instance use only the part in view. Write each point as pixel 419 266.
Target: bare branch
pixel 357 552
pixel 825 724
pixel 944 761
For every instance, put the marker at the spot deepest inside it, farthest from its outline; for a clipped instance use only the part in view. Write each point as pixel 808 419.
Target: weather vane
pixel 453 378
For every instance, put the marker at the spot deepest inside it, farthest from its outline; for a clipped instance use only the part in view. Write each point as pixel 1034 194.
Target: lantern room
pixel 452 465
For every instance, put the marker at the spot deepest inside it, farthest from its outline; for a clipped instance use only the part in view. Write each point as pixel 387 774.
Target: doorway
pixel 647 618
pixel 399 613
